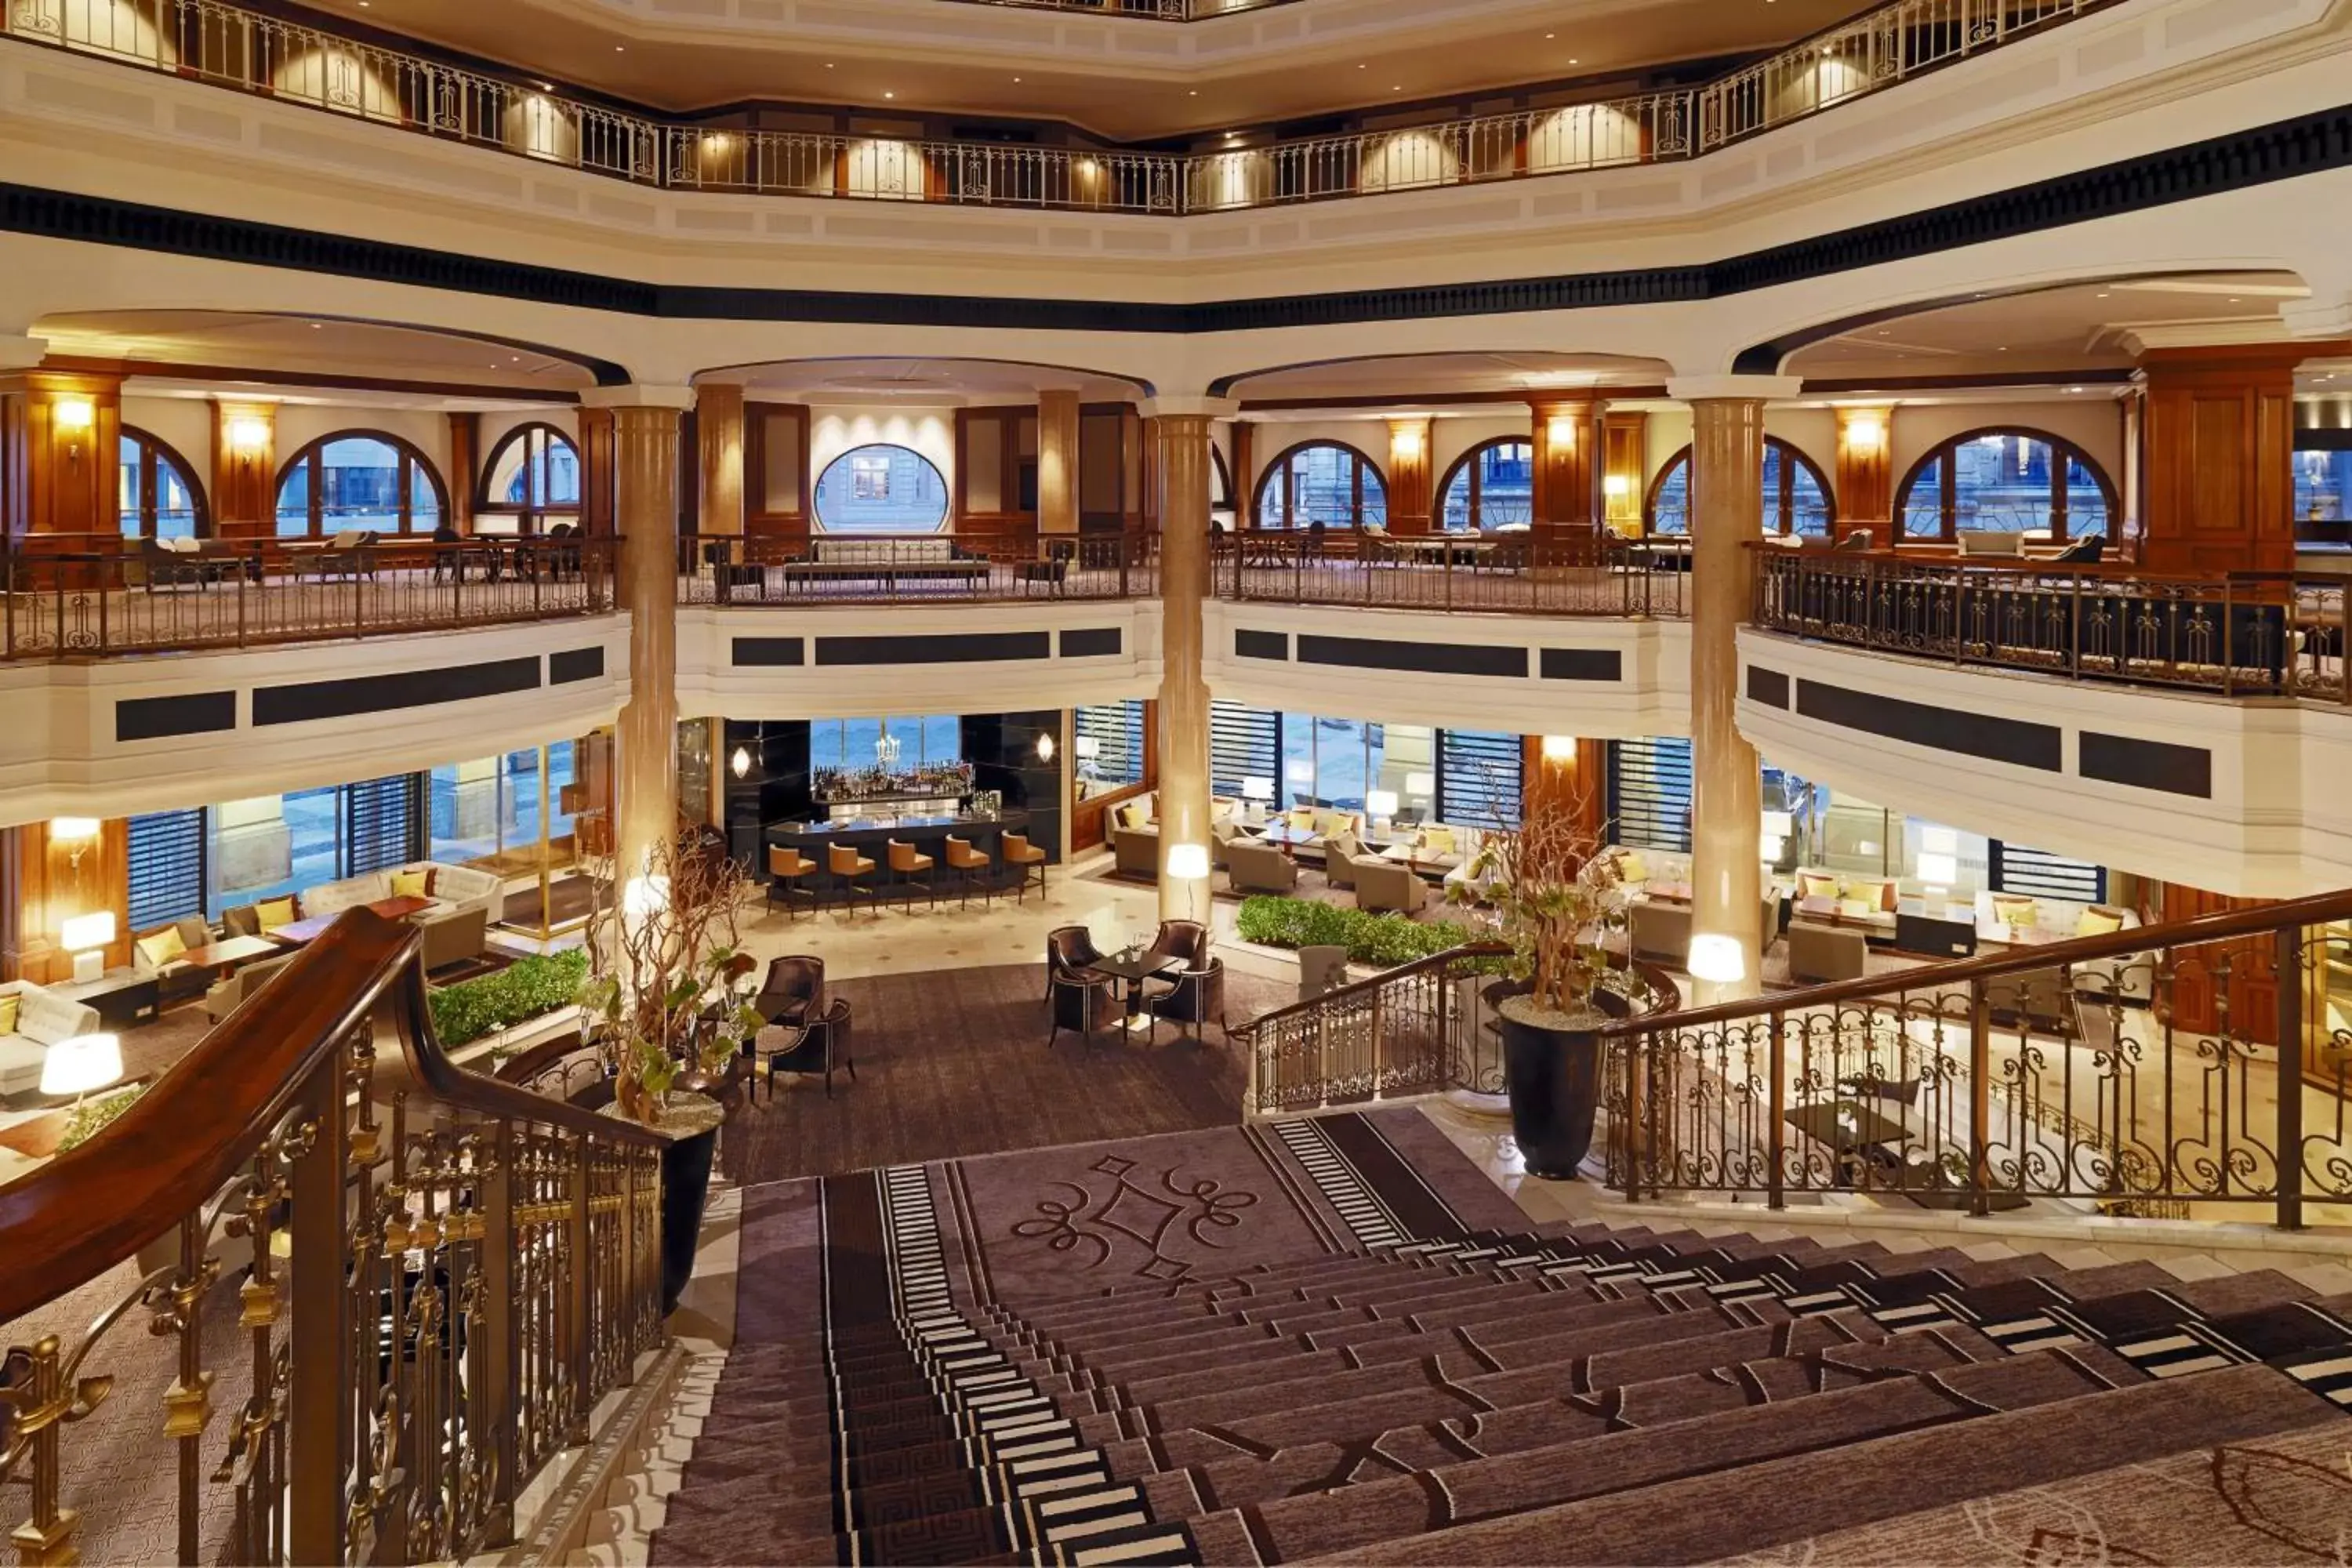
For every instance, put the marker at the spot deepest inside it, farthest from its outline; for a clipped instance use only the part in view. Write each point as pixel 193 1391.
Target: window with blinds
pixel 2017 869
pixel 1479 778
pixel 1243 743
pixel 167 867
pixel 1109 740
pixel 1650 794
pixel 379 824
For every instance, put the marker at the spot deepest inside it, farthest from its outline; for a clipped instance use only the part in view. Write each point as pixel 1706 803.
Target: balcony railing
pixel 1508 574
pixel 83 596
pixel 927 569
pixel 212 41
pixel 319 1296
pixel 2242 635
pixel 1152 10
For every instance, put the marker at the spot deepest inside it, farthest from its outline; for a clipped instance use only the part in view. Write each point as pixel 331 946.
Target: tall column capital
pixel 1196 407
pixel 1742 388
pixel 635 394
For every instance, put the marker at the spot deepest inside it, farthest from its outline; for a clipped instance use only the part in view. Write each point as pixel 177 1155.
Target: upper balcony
pixel 251 51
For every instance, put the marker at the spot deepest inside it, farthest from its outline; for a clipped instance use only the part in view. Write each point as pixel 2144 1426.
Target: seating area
pixel 1403 867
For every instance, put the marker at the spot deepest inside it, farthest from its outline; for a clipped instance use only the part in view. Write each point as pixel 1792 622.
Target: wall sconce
pixel 1405 443
pixel 1561 432
pixel 1044 748
pixel 78 832
pixel 1560 747
pixel 1865 434
pixel 248 437
pixel 739 764
pixel 73 418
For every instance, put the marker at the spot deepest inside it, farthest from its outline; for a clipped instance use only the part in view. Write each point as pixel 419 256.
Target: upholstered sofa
pixel 222 998
pixel 1638 868
pixel 2013 917
pixel 458 887
pixel 42 1019
pixel 1135 851
pixel 157 955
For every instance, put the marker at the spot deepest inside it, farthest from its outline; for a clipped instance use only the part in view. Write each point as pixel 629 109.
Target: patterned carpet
pixel 1333 1341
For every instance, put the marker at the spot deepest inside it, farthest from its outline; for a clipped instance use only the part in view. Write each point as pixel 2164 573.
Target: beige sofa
pixel 222 998
pixel 42 1018
pixel 459 887
pixel 1384 885
pixel 1260 868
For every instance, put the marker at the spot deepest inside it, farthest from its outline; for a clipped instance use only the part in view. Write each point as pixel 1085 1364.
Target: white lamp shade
pixel 1939 870
pixel 86 931
pixel 644 896
pixel 1420 787
pixel 1717 959
pixel 1086 748
pixel 1257 789
pixel 1773 846
pixel 81 1063
pixel 1188 862
pixel 1380 802
pixel 1779 824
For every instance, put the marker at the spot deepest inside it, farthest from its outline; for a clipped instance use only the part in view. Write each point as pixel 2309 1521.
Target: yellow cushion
pixel 8 1005
pixel 1631 867
pixel 1816 885
pixel 2097 922
pixel 1856 907
pixel 1437 840
pixel 1302 819
pixel 163 946
pixel 274 913
pixel 1877 892
pixel 410 884
pixel 2010 911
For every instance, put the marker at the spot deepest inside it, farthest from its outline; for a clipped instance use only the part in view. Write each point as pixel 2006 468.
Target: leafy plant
pixel 665 965
pixel 526 989
pixel 92 1116
pixel 1385 941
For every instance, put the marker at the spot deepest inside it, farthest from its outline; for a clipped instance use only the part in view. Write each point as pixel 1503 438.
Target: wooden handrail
pixel 1385 977
pixel 1928 554
pixel 2257 920
pixel 203 1121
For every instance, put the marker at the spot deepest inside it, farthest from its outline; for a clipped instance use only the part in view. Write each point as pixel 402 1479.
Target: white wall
pixel 930 431
pixel 184 424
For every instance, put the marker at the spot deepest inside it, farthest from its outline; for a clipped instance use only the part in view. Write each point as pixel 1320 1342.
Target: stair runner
pixel 1432 1391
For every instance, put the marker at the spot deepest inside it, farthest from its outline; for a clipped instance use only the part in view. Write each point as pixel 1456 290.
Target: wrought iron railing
pixel 2141 1072
pixel 1508 574
pixel 899 569
pixel 1424 1027
pixel 81 596
pixel 1154 10
pixel 2246 635
pixel 228 46
pixel 378 1294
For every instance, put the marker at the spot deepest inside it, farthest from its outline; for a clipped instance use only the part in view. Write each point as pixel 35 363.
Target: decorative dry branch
pixel 1547 882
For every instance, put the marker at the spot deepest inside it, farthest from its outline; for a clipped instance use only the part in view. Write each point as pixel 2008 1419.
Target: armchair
pixel 1068 951
pixel 1082 1004
pixel 792 991
pixel 1661 933
pixel 821 1047
pixel 1135 851
pixel 1187 939
pixel 1340 852
pixel 1198 996
pixel 1384 885
pixel 1260 868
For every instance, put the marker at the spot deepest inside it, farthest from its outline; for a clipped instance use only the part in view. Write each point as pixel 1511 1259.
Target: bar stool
pixel 1021 856
pixel 971 866
pixel 905 865
pixel 847 865
pixel 786 867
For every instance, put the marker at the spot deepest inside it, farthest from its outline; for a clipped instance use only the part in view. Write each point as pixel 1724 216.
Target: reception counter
pixel 871 836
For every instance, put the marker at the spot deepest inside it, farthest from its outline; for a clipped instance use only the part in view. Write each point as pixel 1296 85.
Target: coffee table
pixel 231 953
pixel 123 998
pixel 1825 912
pixel 1135 971
pixel 302 934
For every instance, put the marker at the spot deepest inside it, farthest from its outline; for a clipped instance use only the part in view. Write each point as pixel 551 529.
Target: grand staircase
pixel 1564 1394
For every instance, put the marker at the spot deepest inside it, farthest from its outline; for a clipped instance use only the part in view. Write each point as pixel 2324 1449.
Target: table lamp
pixel 1938 872
pixel 1420 787
pixel 86 937
pixel 1382 805
pixel 1717 959
pixel 79 1064
pixel 1259 793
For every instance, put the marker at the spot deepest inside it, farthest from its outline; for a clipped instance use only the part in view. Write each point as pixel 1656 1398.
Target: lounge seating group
pixel 32 1019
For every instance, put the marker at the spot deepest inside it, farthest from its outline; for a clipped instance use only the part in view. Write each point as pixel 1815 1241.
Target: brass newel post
pixel 1981 1098
pixel 2289 982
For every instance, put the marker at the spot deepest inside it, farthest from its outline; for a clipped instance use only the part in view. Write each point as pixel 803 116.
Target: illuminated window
pixel 1796 493
pixel 358 480
pixel 1490 486
pixel 159 495
pixel 882 490
pixel 2005 481
pixel 1322 482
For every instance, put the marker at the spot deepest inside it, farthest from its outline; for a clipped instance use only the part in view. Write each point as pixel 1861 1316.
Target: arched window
pixel 363 479
pixel 159 497
pixel 2005 481
pixel 534 472
pixel 1797 497
pixel 1492 485
pixel 882 490
pixel 1325 482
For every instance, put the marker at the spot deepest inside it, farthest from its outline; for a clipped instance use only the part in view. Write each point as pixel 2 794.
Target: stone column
pixel 1057 461
pixel 646 438
pixel 1183 788
pixel 1727 784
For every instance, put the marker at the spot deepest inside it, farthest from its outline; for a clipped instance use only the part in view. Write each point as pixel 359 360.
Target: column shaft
pixel 645 456
pixel 1183 789
pixel 1057 462
pixel 1727 805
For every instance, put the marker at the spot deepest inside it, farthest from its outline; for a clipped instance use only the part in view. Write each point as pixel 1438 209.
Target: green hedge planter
pixel 525 989
pixel 1384 940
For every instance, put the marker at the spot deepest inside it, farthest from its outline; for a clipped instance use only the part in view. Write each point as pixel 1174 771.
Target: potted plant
pixel 660 1009
pixel 1546 884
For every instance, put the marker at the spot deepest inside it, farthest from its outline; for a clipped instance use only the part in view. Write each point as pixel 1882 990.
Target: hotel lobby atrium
pixel 1196 782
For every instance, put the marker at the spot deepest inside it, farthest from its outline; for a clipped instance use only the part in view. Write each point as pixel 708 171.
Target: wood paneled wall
pixel 44 882
pixel 61 477
pixel 2219 441
pixel 779 491
pixel 245 470
pixel 996 470
pixel 1567 439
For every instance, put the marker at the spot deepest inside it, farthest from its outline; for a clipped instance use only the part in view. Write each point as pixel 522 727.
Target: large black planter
pixel 1553 1079
pixel 686 1191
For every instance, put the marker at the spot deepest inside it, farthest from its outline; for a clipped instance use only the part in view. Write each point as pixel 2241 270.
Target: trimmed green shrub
pixel 525 989
pixel 1384 940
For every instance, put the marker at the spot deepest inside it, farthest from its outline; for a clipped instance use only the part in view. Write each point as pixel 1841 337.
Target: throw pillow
pixel 1856 907
pixel 162 947
pixel 2097 922
pixel 8 1006
pixel 274 913
pixel 194 933
pixel 1437 840
pixel 1816 885
pixel 2010 911
pixel 410 884
pixel 1302 820
pixel 1631 868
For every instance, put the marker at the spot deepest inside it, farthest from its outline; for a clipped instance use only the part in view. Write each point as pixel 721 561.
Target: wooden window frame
pixel 153 452
pixel 2062 451
pixel 1784 524
pixel 1279 468
pixel 1478 484
pixel 314 453
pixel 527 516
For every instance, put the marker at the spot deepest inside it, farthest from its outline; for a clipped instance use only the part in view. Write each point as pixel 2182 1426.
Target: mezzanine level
pixel 249 51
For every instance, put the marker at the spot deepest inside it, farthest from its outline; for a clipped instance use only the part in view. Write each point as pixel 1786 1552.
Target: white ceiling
pixel 1434 376
pixel 936 383
pixel 305 346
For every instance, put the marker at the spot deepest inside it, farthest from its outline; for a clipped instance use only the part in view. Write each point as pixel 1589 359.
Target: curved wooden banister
pixel 199 1124
pixel 1385 977
pixel 2258 921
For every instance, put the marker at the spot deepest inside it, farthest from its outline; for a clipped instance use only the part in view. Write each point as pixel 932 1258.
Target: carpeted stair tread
pixel 1758 1506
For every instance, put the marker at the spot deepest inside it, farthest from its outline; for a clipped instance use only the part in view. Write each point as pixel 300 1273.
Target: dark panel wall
pixel 1003 751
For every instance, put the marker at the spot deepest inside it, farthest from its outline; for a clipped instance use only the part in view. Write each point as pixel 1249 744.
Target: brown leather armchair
pixel 794 991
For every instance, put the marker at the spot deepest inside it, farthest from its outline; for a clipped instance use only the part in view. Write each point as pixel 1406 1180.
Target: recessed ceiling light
pixel 1016 79
pixel 890 95
pixel 620 49
pixel 828 65
pixel 1573 60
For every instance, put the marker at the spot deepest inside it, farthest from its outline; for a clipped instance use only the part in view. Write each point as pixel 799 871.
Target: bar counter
pixel 870 836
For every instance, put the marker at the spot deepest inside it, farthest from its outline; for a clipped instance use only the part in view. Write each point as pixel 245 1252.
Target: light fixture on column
pixel 79 1064
pixel 1188 862
pixel 740 762
pixel 1405 441
pixel 1044 748
pixel 73 418
pixel 1558 748
pixel 1561 432
pixel 76 833
pixel 1717 960
pixel 644 896
pixel 86 937
pixel 1617 486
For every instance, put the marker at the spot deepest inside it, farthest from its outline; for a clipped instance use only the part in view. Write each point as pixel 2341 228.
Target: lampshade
pixel 1380 802
pixel 1779 824
pixel 73 829
pixel 644 896
pixel 1939 870
pixel 1257 789
pixel 81 1063
pixel 85 932
pixel 1773 848
pixel 1420 787
pixel 73 413
pixel 1188 862
pixel 1617 485
pixel 1717 959
pixel 1086 748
